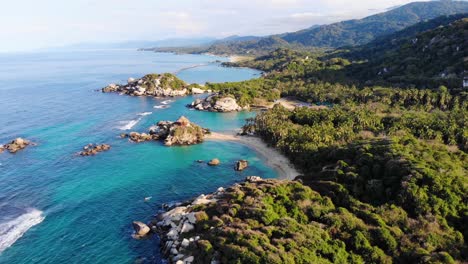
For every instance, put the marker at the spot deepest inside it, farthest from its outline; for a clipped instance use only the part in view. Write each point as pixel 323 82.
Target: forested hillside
pixel 384 169
pixel 347 33
pixel 358 32
pixel 426 55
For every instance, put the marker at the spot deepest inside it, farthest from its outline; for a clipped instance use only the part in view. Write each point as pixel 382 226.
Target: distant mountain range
pixel 172 42
pixel 346 33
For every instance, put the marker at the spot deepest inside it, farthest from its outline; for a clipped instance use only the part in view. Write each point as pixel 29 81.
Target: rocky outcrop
pixel 15 145
pixel 177 228
pixel 157 85
pixel 141 230
pixel 214 162
pixel 93 149
pixel 180 132
pixel 216 103
pixel 183 228
pixel 241 165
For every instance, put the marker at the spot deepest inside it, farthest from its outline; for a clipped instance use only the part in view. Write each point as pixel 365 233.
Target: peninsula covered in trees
pixel 384 166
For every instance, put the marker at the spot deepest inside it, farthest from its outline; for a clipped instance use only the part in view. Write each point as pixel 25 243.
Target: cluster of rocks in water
pixel 241 165
pixel 180 132
pixel 177 227
pixel 216 103
pixel 15 145
pixel 93 149
pixel 156 85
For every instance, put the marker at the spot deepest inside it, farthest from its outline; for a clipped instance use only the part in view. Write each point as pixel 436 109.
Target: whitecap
pixel 145 113
pixel 161 106
pixel 166 102
pixel 129 124
pixel 14 229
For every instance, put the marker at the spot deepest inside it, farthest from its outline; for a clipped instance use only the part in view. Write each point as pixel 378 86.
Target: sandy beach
pixel 238 58
pixel 272 156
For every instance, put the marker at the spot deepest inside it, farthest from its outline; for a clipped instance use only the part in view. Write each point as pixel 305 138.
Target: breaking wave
pixel 161 106
pixel 12 230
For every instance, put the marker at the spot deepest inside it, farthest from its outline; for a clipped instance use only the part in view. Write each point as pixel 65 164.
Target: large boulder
pixel 197 91
pixel 141 229
pixel 226 104
pixel 214 162
pixel 241 165
pixel 216 103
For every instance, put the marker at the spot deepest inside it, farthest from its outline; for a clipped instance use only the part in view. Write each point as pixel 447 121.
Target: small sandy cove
pixel 272 156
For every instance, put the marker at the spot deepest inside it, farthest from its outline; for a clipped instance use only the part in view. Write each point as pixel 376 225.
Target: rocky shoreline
pixel 217 103
pixel 180 132
pixel 182 227
pixel 155 85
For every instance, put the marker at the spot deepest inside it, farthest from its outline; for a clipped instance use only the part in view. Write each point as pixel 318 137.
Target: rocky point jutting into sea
pixel 180 132
pixel 157 85
pixel 186 229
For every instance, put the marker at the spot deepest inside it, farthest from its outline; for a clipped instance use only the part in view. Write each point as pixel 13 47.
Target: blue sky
pixel 32 24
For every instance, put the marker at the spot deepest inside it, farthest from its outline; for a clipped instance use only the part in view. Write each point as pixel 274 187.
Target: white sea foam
pixel 129 124
pixel 145 113
pixel 161 106
pixel 166 102
pixel 14 229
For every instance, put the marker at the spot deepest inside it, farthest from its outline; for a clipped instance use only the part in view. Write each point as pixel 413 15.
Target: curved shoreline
pixel 271 156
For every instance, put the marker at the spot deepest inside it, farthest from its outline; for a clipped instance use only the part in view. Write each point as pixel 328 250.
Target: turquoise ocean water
pixel 56 207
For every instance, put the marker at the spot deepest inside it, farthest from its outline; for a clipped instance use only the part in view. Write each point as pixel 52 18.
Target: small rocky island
pixel 216 103
pixel 180 132
pixel 156 85
pixel 15 145
pixel 93 149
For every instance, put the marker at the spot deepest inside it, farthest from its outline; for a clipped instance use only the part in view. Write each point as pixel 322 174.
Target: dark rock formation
pixel 241 165
pixel 93 149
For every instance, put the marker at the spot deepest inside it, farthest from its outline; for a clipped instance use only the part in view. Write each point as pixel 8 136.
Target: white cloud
pixel 29 24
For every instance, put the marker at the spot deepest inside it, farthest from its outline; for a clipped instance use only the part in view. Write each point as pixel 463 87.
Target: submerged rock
pixel 241 165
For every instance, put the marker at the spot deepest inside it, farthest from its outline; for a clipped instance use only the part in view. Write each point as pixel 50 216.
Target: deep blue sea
pixel 56 207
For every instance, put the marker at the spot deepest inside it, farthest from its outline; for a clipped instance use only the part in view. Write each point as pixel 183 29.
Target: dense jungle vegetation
pixel 384 169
